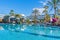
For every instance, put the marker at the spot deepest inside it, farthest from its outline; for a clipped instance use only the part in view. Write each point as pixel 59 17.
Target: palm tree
pixel 54 4
pixel 6 18
pixel 45 10
pixel 12 13
pixel 35 13
pixel 58 11
pixel 47 16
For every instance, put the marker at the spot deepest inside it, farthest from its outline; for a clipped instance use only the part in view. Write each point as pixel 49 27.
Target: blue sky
pixel 19 6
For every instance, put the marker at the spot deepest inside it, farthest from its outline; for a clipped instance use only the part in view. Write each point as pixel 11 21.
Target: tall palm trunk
pixel 35 18
pixel 35 11
pixel 54 9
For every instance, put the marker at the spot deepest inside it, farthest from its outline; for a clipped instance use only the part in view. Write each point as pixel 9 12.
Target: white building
pixel 1 17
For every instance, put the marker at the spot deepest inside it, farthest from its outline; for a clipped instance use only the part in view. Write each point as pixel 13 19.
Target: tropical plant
pixel 28 21
pixel 6 18
pixel 47 16
pixel 18 15
pixel 54 5
pixel 35 13
pixel 45 9
pixel 58 11
pixel 22 20
pixel 12 13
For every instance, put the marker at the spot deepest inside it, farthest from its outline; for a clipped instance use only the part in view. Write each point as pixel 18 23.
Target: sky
pixel 20 6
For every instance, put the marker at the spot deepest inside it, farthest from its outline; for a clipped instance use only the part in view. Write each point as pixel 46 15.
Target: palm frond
pixel 58 0
pixel 51 8
pixel 46 7
pixel 49 3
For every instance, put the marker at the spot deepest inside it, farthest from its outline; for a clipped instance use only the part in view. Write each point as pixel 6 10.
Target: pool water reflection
pixel 28 32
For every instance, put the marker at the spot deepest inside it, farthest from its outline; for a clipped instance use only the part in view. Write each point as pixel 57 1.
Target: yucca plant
pixel 28 21
pixel 47 17
pixel 18 16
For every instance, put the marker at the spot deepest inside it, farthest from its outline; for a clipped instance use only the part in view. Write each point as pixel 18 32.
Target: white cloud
pixel 40 10
pixel 1 15
pixel 43 3
pixel 23 15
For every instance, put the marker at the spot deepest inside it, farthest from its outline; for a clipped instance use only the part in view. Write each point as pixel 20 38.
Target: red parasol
pixel 54 20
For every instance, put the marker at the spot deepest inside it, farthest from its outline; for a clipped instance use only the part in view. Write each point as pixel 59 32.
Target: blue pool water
pixel 29 32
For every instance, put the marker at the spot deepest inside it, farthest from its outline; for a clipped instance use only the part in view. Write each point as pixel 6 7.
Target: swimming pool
pixel 29 32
